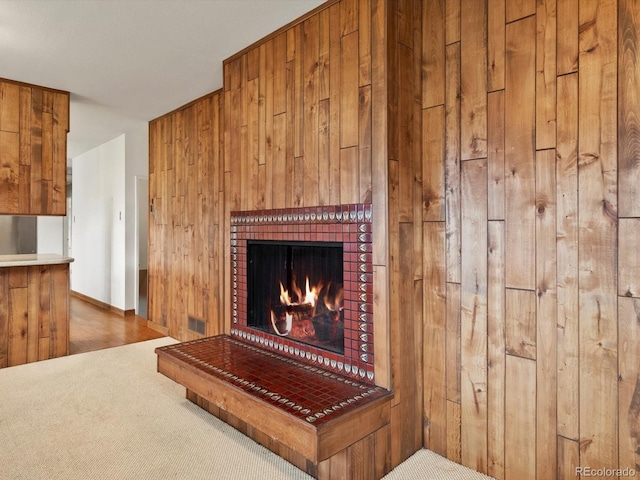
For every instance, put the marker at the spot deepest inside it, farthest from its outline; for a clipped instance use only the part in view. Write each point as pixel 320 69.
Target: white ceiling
pixel 130 60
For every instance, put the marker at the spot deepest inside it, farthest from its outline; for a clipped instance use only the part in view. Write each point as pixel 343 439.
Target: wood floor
pixel 93 328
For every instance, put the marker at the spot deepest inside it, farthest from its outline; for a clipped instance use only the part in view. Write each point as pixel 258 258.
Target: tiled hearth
pixel 302 390
pixel 349 225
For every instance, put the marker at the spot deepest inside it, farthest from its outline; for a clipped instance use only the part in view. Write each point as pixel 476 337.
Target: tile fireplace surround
pixel 346 224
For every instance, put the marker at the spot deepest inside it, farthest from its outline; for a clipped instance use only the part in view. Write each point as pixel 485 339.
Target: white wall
pixel 98 230
pixel 104 239
pixel 50 235
pixel 137 164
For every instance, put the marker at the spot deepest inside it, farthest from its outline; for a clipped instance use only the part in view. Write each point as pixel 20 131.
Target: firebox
pixel 302 285
pixel 296 291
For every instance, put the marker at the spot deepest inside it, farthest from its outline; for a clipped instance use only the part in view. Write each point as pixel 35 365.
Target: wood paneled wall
pixel 309 116
pixel 34 318
pixel 185 257
pixel 34 122
pixel 505 255
pixel 532 315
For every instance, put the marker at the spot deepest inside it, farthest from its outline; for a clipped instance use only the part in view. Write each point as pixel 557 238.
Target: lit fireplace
pixel 302 285
pixel 296 291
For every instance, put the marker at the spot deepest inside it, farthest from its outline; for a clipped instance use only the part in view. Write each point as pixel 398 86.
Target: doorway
pixel 142 238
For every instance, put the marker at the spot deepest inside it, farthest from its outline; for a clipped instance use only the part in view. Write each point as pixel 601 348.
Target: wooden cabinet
pixel 34 122
pixel 34 308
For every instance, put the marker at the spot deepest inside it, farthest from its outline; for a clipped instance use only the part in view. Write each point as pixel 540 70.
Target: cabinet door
pixel 34 122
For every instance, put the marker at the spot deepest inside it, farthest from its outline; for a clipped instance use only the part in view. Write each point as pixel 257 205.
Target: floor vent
pixel 196 325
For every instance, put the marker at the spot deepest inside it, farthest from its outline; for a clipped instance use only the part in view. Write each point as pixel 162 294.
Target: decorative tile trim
pixel 350 225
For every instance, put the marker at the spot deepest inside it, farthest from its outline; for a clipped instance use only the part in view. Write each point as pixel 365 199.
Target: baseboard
pixel 103 305
pixel 157 328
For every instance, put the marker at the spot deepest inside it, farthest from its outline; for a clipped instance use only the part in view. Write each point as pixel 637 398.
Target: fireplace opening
pixel 295 290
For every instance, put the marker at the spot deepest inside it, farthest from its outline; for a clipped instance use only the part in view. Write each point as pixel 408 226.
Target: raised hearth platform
pixel 315 413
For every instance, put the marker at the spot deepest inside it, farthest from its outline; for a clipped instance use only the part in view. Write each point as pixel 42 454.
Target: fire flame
pixel 310 297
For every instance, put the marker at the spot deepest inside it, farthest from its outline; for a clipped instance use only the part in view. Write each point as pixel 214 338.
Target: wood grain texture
pixel 435 353
pixel 498 239
pixel 473 309
pixel 433 164
pixel 519 153
pixel 567 252
pixel 473 84
pixel 452 161
pixel 34 122
pixel 567 36
pixel 520 418
pixel 185 271
pixel 546 314
pixel 597 218
pixel 517 9
pixel 628 105
pixel 546 74
pixel 496 350
pixel 433 53
pixel 629 381
pixel 629 257
pixel 496 45
pixel 520 333
pixel 496 172
pixel 34 318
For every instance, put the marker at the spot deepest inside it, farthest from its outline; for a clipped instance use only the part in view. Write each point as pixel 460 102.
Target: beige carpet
pixel 109 415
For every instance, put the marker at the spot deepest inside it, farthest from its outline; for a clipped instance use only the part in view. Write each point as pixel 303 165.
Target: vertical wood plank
pixel 324 144
pixel 454 452
pixel 434 346
pixel 567 255
pixel 629 257
pixel 567 36
pixel 9 172
pixel 36 150
pixel 517 9
pixel 9 107
pixel 18 325
pixel 496 187
pixel 496 350
pixel 33 307
pixel 519 154
pixel 496 45
pixel 520 311
pixel 433 53
pixel 349 91
pixel 279 75
pixel 629 382
pixel 473 300
pixel 4 318
pixel 452 167
pixel 546 74
pixel 452 21
pixel 364 151
pixel 597 177
pixel 311 131
pixel 364 41
pixel 568 458
pixel 628 106
pixel 473 105
pixel 349 188
pixel 433 164
pixel 546 323
pixel 335 75
pixel 520 418
pixel 25 150
pixel 453 330
pixel 59 319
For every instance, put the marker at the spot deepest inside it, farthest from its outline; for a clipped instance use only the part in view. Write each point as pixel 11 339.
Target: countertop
pixel 26 259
